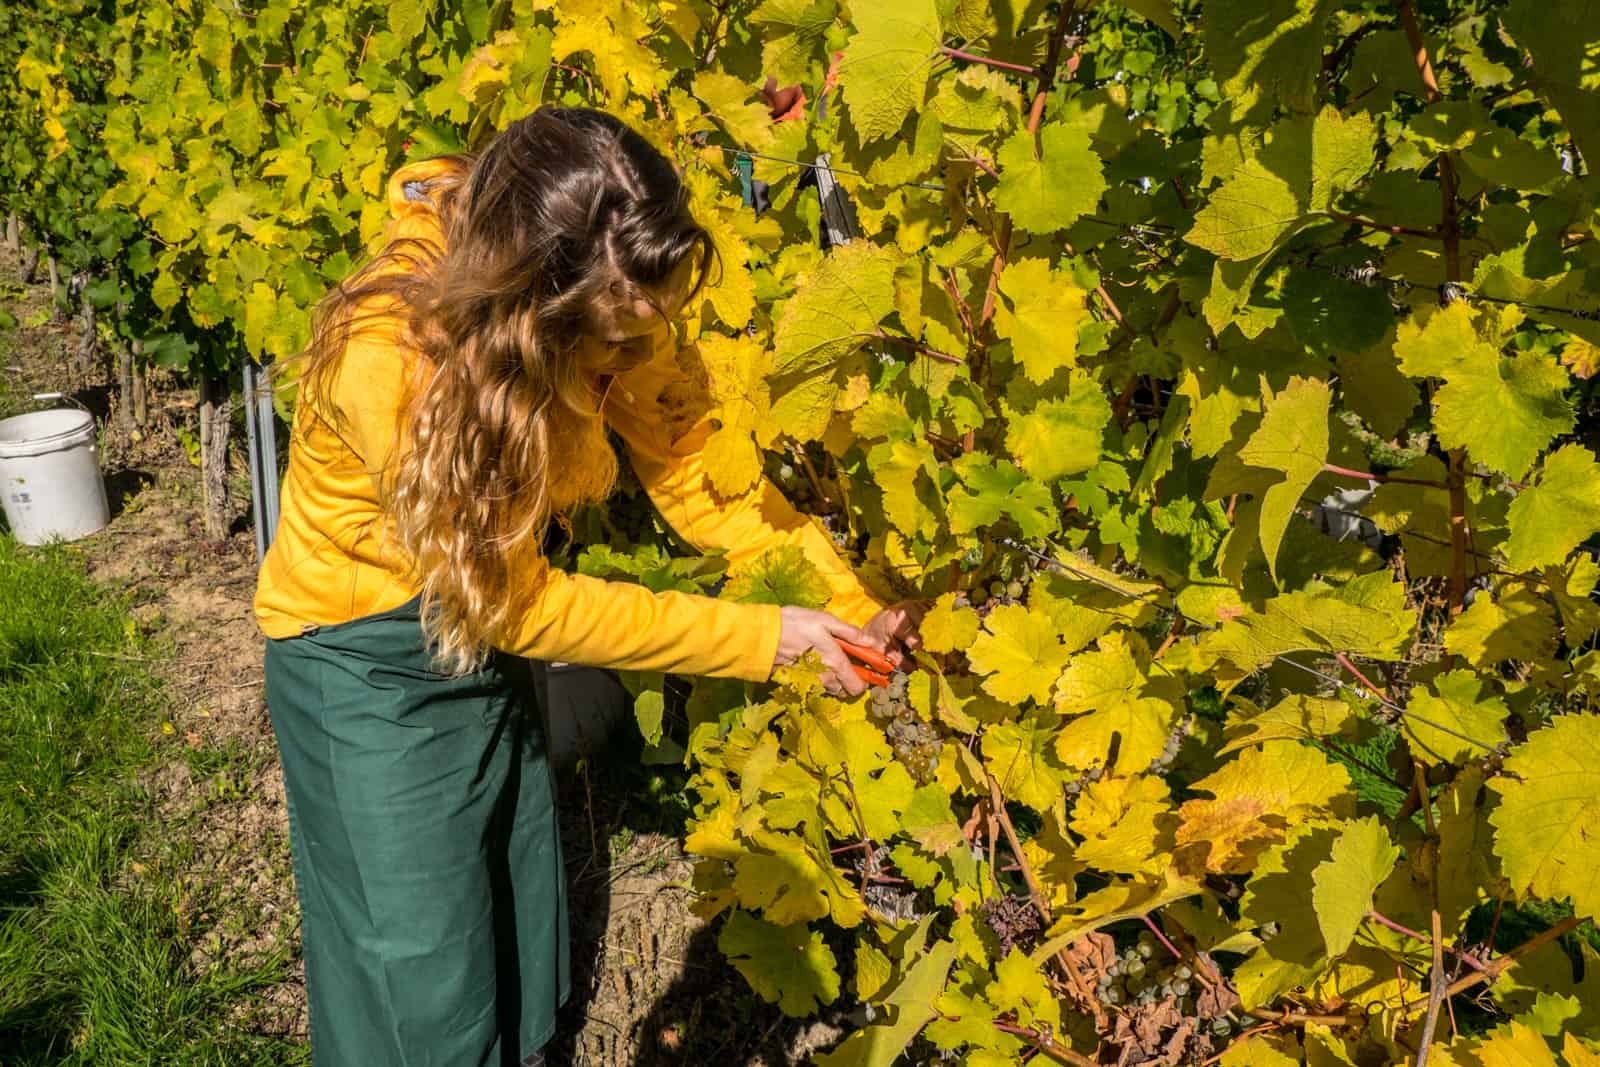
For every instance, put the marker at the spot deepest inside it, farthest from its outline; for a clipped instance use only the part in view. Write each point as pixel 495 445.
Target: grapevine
pixel 1134 309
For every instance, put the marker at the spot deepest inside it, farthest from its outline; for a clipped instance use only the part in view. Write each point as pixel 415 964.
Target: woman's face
pixel 631 328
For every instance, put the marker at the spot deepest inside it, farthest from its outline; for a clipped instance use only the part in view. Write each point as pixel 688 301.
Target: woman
pixel 454 403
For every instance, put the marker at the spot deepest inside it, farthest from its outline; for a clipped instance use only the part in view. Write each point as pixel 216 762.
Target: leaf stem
pixel 1465 957
pixel 1431 232
pixel 1161 937
pixel 1436 988
pixel 1349 472
pixel 919 348
pixel 1345 662
pixel 999 64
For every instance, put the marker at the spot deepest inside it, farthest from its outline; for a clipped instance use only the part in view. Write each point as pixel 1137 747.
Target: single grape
pixel 1014 589
pixel 1136 967
pixel 1147 949
pixel 1181 988
pixel 997 589
pixel 1113 996
pixel 1182 972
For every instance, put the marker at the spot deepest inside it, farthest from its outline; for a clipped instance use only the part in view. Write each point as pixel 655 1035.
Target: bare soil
pixel 650 986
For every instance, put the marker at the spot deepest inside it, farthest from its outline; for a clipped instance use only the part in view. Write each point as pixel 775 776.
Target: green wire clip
pixel 747 172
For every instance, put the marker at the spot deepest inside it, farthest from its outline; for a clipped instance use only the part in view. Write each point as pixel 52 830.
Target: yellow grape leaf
pixel 1097 678
pixel 1116 902
pixel 1279 888
pixel 1127 825
pixel 1467 873
pixel 1514 1045
pixel 1261 1051
pixel 612 32
pixel 1343 886
pixel 1546 834
pixel 1297 717
pixel 1019 986
pixel 1581 357
pixel 731 292
pixel 1520 625
pixel 1040 316
pixel 1051 852
pixel 1060 436
pixel 1021 757
pixel 1366 617
pixel 787 965
pixel 1577 1054
pixel 734 103
pixel 1019 653
pixel 1461 702
pixel 884 799
pixel 1553 517
pixel 1256 795
pixel 946 627
pixel 912 1002
pixel 1123 736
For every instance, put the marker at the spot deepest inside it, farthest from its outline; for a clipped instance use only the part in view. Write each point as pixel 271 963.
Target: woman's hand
pixel 897 625
pixel 805 630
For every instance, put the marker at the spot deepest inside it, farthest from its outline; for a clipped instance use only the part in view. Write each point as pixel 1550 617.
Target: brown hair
pixel 564 209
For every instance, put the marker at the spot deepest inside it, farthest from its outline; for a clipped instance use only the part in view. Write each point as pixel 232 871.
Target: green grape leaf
pixel 1526 394
pixel 1459 701
pixel 1562 43
pixel 836 308
pixel 1292 438
pixel 789 966
pixel 1254 210
pixel 1051 188
pixel 1373 388
pixel 1020 653
pixel 1554 516
pixel 975 108
pixel 991 488
pixel 781 575
pixel 1020 756
pixel 1040 316
pixel 1060 436
pixel 792 33
pixel 1343 886
pixel 734 103
pixel 1259 1051
pixel 887 64
pixel 1549 808
pixel 1266 54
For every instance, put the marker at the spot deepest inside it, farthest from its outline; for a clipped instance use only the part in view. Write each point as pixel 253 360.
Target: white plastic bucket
pixel 50 479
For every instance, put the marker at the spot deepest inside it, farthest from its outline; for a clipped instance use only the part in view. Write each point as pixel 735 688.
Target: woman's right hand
pixel 804 630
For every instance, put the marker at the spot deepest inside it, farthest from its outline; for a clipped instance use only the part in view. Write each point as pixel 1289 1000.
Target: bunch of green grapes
pixel 1140 977
pixel 916 742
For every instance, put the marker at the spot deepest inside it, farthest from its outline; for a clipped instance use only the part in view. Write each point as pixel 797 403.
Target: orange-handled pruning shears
pixel 874 667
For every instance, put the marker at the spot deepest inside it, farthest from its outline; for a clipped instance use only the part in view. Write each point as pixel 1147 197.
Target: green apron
pixel 426 855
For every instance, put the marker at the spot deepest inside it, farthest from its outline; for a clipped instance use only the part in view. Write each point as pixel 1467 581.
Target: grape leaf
pixel 1019 986
pixel 1458 701
pixel 1554 516
pixel 913 999
pixel 1518 626
pixel 946 627
pixel 1297 717
pixel 1020 653
pixel 1526 394
pixel 1051 188
pixel 1254 797
pixel 1019 755
pixel 887 64
pixel 992 488
pixel 792 32
pixel 1127 825
pixel 1549 808
pixel 789 966
pixel 781 575
pixel 1292 438
pixel 1040 316
pixel 1060 436
pixel 1562 43
pixel 1266 54
pixel 837 307
pixel 734 103
pixel 1343 886
pixel 1261 1051
pixel 737 369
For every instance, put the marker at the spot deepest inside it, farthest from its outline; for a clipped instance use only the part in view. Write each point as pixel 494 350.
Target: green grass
pixel 95 939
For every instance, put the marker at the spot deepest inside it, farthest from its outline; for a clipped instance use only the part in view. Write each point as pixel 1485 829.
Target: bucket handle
pixel 80 405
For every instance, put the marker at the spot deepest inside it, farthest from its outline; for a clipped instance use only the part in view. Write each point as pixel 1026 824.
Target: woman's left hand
pixel 896 626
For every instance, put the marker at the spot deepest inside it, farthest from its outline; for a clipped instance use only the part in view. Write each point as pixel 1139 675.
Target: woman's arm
pixel 672 470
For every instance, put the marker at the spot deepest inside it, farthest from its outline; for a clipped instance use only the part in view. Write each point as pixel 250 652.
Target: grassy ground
pixel 95 951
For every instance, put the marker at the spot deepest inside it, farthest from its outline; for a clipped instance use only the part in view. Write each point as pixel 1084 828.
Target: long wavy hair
pixel 564 210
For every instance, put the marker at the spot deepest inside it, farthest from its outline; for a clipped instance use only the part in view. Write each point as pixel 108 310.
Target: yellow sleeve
pixel 658 410
pixel 568 618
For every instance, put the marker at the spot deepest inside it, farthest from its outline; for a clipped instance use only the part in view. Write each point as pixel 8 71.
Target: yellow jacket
pixel 331 561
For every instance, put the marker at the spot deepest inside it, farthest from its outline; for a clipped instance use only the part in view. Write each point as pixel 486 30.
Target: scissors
pixel 873 667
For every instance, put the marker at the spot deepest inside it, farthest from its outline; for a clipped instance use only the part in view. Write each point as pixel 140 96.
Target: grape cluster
pixel 1014 920
pixel 1139 977
pixel 916 743
pixel 999 593
pixel 1169 751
